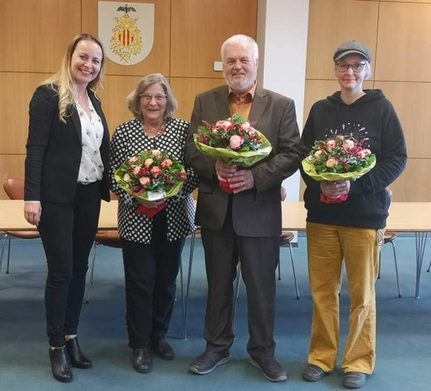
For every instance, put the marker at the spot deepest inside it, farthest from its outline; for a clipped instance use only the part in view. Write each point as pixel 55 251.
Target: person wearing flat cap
pixel 348 224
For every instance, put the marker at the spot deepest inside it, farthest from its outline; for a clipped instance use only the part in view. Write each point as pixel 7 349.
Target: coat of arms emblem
pixel 127 31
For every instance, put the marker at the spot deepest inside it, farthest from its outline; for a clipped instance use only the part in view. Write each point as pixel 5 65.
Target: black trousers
pixel 150 273
pixel 258 257
pixel 67 232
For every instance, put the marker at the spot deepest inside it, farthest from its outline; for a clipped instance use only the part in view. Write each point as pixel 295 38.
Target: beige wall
pixel 399 35
pixel 187 40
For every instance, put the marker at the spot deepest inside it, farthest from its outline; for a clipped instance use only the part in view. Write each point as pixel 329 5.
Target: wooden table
pixel 403 217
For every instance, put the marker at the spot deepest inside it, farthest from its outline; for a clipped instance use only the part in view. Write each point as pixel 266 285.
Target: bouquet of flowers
pixel 232 140
pixel 151 176
pixel 342 158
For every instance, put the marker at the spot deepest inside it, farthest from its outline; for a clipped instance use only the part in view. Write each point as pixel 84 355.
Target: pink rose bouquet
pixel 151 175
pixel 232 140
pixel 342 158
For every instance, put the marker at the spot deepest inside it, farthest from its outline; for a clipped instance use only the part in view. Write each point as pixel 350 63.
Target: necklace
pixel 153 135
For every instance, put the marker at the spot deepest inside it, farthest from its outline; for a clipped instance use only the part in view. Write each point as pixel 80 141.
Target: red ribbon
pixel 225 186
pixel 338 200
pixel 150 212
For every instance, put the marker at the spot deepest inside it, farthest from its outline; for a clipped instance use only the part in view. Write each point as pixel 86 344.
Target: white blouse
pixel 91 167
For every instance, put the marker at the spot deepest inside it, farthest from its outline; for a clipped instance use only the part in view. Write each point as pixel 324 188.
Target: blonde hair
pixel 62 81
pixel 134 98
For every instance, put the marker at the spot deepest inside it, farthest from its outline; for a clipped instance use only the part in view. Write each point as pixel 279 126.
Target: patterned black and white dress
pixel 130 139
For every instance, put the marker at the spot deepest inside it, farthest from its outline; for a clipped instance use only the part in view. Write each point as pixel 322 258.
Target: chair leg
pixel 8 254
pixel 183 305
pixel 4 239
pixel 278 267
pixel 293 272
pixel 396 268
pixel 189 274
pixel 380 264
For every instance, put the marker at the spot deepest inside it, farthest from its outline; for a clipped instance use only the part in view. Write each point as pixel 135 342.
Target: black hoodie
pixel 370 118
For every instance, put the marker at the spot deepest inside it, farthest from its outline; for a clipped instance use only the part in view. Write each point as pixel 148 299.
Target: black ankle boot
pixel 60 366
pixel 77 358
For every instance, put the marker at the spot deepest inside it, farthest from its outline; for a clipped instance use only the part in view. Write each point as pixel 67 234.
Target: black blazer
pixel 54 149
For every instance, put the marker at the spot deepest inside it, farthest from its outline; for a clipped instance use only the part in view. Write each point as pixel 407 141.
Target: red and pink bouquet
pixel 151 176
pixel 232 140
pixel 342 158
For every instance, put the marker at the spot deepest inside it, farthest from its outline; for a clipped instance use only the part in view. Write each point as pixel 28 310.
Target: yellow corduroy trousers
pixel 328 246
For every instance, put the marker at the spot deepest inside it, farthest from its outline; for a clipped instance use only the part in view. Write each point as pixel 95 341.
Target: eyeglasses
pixel 357 67
pixel 148 98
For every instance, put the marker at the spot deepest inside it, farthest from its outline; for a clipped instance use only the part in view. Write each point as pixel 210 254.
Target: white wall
pixel 282 29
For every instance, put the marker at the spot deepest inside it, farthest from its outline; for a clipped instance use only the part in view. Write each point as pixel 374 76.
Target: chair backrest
pixel 14 188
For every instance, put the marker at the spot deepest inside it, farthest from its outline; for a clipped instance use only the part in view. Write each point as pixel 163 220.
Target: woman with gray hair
pixel 151 245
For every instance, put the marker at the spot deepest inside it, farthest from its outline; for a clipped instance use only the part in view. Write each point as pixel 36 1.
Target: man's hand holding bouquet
pixel 151 177
pixel 336 162
pixel 235 144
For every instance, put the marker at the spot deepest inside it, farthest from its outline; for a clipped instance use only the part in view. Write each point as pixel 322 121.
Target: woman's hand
pixel 32 212
pixel 335 189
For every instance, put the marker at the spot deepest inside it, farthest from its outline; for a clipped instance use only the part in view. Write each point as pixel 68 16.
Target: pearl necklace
pixel 159 132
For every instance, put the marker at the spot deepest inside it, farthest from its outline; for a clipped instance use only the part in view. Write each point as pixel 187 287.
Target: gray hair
pixel 134 98
pixel 243 40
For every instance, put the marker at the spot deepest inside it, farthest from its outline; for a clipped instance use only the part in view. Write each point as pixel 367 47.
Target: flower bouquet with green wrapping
pixel 342 158
pixel 232 140
pixel 151 176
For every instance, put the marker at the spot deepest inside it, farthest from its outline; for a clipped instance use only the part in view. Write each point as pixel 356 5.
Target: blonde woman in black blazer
pixel 65 179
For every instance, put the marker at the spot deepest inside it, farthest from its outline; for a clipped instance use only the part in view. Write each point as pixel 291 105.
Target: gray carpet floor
pixel 403 344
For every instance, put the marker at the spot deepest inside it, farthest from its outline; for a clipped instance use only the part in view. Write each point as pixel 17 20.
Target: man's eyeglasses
pixel 357 67
pixel 148 98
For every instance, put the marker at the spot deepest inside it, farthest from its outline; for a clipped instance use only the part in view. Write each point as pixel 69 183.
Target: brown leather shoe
pixel 142 360
pixel 163 349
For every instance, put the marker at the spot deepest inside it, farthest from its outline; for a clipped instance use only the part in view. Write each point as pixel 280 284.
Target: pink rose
pixel 348 145
pixel 236 142
pixel 144 181
pixel 330 145
pixel 155 172
pixel 363 153
pixel 224 124
pixel 136 170
pixel 331 163
pixel 133 159
pixel 167 163
pixel 127 178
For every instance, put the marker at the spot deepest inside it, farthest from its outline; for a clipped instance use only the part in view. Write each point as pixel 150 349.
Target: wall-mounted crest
pixel 126 31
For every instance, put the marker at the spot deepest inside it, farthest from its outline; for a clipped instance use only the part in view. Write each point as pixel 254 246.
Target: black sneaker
pixel 354 380
pixel 270 368
pixel 313 373
pixel 208 361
